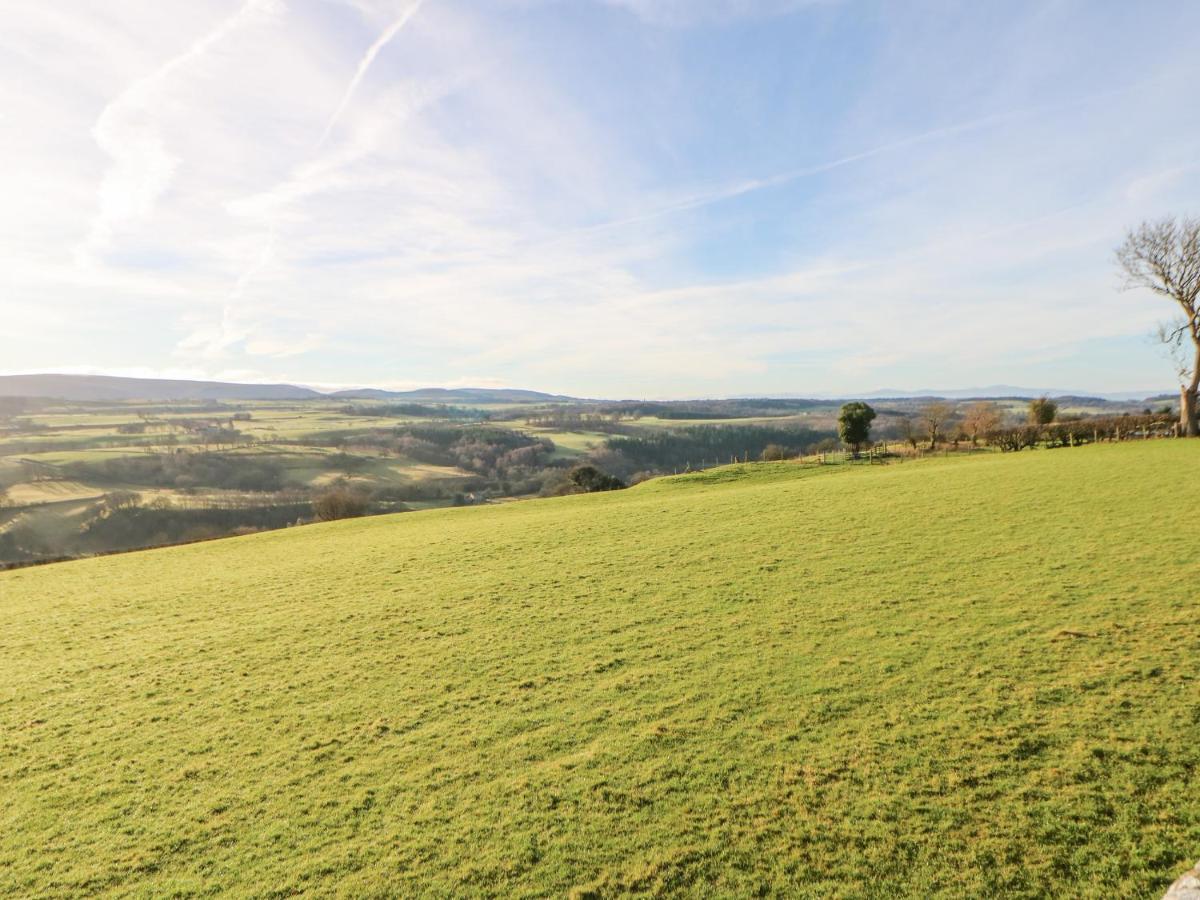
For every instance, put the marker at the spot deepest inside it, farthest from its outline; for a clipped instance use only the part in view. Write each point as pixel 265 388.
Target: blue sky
pixel 603 197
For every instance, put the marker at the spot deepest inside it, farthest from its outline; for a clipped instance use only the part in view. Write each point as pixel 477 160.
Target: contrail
pixel 244 14
pixel 265 252
pixel 365 63
pixel 141 167
pixel 757 184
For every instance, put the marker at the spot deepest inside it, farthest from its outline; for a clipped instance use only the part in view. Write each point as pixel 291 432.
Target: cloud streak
pixel 141 167
pixel 364 64
pixel 571 210
pixel 313 177
pixel 682 13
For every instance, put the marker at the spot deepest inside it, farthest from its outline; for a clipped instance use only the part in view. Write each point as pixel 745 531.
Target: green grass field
pixel 956 677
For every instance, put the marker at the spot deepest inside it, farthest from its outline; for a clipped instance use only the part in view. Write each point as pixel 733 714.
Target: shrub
pixel 115 500
pixel 591 479
pixel 1042 411
pixel 774 453
pixel 704 444
pixel 339 503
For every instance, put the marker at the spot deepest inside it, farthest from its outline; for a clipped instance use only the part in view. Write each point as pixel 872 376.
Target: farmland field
pixel 247 459
pixel 80 478
pixel 953 677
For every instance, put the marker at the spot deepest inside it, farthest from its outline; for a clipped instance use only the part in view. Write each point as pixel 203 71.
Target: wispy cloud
pixel 692 12
pixel 568 196
pixel 313 177
pixel 365 63
pixel 141 166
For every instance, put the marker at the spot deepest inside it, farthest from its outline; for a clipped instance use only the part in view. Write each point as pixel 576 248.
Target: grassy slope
pixel 953 677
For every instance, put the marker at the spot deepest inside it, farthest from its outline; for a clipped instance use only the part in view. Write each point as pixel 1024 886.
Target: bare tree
pixel 980 418
pixel 773 452
pixel 934 415
pixel 1164 257
pixel 340 503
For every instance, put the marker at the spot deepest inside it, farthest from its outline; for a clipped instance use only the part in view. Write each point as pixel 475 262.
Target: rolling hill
pixel 453 395
pixel 98 388
pixel 956 677
pixel 1009 391
pixel 82 388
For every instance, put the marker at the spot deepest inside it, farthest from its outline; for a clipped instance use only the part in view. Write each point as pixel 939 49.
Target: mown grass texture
pixel 941 678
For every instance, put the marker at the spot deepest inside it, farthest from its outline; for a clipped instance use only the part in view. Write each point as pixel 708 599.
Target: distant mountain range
pixel 997 391
pixel 113 388
pixel 109 387
pixel 452 395
pixel 1007 390
pixel 83 388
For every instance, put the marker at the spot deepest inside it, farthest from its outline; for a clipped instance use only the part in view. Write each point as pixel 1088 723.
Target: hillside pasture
pixel 954 677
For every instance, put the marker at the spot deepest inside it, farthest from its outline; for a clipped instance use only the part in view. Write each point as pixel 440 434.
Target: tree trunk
pixel 1187 412
pixel 1187 397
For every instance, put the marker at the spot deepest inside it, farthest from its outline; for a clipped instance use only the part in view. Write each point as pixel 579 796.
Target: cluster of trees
pixel 982 419
pixel 135 525
pixel 589 480
pixel 120 521
pixel 507 462
pixel 514 463
pixel 1076 431
pixel 340 502
pixel 608 416
pixel 940 421
pixel 573 419
pixel 221 436
pixel 672 449
pixel 207 432
pixel 459 491
pixel 709 409
pixel 183 469
pixel 933 422
pixel 929 424
pixel 422 410
pixel 500 455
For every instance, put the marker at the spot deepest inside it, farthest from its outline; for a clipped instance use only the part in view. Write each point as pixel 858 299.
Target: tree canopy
pixel 1042 411
pixel 591 479
pixel 854 424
